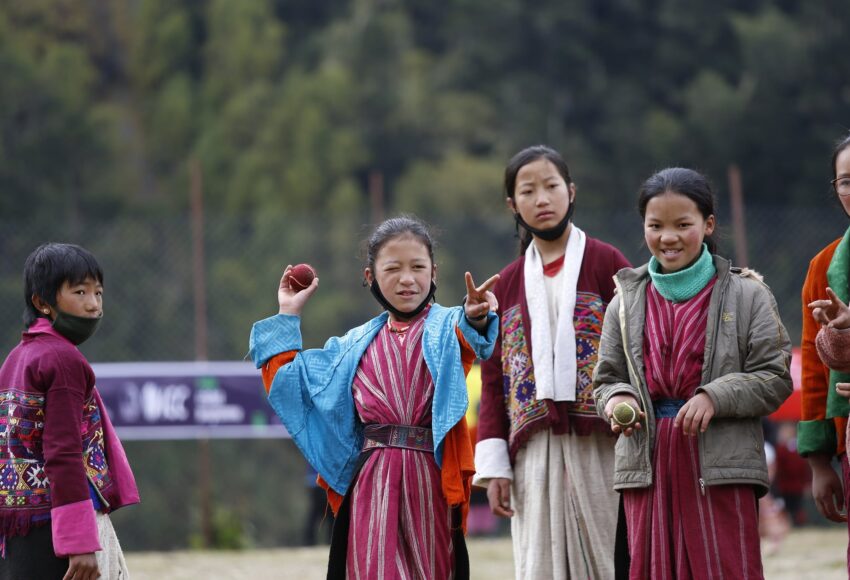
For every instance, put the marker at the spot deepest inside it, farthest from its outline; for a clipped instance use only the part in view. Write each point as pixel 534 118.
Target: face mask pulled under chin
pixel 77 329
pixel 382 300
pixel 552 233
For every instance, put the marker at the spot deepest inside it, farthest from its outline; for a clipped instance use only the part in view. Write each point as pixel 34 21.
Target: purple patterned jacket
pixel 56 444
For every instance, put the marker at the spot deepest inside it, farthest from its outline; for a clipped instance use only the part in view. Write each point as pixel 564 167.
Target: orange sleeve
pixel 458 468
pixel 458 464
pixel 334 499
pixel 467 355
pixel 815 375
pixel 273 365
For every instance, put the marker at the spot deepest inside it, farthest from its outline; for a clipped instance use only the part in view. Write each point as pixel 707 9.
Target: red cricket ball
pixel 300 276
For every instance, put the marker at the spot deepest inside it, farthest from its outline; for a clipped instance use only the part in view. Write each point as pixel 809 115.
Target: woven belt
pixel 667 408
pixel 403 436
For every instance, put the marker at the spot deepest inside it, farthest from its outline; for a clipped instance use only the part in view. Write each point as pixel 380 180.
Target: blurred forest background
pixel 303 122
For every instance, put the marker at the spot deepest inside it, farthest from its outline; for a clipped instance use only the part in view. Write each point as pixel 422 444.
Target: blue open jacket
pixel 313 397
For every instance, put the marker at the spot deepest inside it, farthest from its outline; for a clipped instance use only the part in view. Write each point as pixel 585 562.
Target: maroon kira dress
pixel 400 521
pixel 677 528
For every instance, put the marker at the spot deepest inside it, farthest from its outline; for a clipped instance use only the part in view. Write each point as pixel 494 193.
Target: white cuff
pixel 492 460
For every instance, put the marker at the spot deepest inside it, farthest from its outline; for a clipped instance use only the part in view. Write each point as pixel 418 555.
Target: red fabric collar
pixel 552 268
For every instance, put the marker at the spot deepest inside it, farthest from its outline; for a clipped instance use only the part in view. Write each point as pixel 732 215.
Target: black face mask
pixel 376 292
pixel 552 233
pixel 77 329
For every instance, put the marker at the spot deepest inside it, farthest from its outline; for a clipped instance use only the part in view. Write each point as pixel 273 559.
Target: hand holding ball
pixel 624 415
pixel 296 286
pixel 300 276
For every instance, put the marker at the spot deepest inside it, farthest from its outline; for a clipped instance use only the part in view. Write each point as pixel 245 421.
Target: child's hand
pixel 695 415
pixel 616 427
pixel 290 300
pixel 843 389
pixel 499 497
pixel 479 300
pixel 831 312
pixel 827 489
pixel 82 567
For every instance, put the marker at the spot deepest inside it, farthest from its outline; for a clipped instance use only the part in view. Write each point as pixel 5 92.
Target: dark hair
pixel 842 144
pixel 397 227
pixel 520 160
pixel 51 265
pixel 683 181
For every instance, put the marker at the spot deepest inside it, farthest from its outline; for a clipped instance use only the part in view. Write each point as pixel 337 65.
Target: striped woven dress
pixel 678 528
pixel 400 521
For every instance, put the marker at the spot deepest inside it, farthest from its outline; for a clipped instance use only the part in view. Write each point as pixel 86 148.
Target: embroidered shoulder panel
pixel 589 313
pixel 23 481
pixel 517 369
pixel 94 447
pixel 520 395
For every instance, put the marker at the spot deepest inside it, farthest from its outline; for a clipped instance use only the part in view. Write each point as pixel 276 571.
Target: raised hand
pixel 290 300
pixel 831 312
pixel 479 300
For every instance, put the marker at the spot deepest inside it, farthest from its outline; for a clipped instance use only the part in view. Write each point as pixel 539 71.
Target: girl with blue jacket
pixel 379 412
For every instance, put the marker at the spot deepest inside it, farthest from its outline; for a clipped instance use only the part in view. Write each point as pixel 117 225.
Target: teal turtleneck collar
pixel 687 282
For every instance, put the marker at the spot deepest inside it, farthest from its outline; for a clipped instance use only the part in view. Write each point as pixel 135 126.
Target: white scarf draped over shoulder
pixel 554 358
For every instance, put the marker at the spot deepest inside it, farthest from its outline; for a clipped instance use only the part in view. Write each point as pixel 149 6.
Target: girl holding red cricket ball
pixel 379 412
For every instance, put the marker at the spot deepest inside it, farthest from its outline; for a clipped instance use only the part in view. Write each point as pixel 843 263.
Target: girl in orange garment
pixel 821 433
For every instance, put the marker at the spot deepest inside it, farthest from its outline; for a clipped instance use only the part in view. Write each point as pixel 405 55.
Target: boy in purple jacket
pixel 60 461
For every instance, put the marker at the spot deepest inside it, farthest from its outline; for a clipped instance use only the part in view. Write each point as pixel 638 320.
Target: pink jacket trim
pixel 74 529
pixel 126 492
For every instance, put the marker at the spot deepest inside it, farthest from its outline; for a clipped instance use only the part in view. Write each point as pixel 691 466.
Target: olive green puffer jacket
pixel 745 372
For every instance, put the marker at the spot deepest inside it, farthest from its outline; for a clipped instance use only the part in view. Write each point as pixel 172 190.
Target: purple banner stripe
pixel 189 400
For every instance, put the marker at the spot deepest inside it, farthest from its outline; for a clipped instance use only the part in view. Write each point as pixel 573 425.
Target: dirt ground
pixel 809 553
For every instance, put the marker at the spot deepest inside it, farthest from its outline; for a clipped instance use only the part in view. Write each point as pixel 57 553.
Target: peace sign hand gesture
pixel 479 301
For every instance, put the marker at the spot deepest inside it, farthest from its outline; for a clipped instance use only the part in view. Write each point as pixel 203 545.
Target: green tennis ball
pixel 624 414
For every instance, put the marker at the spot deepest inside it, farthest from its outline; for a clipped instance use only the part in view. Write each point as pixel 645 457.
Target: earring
pixel 46 311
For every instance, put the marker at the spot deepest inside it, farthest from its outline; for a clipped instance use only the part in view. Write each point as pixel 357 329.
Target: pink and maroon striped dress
pixel 400 521
pixel 677 528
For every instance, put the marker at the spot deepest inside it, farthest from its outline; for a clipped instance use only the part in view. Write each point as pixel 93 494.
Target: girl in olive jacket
pixel 699 350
